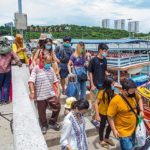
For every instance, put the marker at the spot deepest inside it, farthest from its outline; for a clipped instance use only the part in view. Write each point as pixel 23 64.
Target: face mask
pixel 47 66
pixel 112 87
pixel 82 51
pixel 67 44
pixel 48 47
pixel 104 55
pixel 79 114
pixel 131 95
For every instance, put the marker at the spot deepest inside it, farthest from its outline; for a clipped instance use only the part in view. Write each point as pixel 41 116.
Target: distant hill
pixel 75 31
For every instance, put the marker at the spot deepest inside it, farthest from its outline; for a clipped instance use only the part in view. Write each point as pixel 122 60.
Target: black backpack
pixel 64 53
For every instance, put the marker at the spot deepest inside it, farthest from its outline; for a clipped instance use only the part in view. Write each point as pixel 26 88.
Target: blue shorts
pixel 63 70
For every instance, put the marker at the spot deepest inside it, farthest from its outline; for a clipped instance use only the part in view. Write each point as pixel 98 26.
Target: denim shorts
pixel 127 143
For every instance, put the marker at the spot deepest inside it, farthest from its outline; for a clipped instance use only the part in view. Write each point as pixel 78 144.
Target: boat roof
pixel 111 41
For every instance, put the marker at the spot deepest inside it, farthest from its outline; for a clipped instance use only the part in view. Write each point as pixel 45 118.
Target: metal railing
pixel 125 61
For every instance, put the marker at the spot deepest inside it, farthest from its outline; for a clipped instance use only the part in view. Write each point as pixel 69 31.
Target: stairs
pixel 53 137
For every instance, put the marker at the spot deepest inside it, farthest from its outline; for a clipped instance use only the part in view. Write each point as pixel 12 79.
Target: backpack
pixel 5 50
pixel 63 54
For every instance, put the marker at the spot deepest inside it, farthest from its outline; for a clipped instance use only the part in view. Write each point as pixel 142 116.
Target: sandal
pixel 104 144
pixel 110 142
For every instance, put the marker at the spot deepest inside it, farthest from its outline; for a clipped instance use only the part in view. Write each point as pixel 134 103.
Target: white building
pixel 106 23
pixel 133 26
pixel 119 24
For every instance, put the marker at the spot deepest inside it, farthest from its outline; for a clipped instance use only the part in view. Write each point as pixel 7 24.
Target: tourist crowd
pixel 54 72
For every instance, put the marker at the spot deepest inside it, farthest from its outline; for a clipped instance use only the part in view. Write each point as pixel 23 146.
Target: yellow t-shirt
pixel 103 105
pixel 21 54
pixel 124 119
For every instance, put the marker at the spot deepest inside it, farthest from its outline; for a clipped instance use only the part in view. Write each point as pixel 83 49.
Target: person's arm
pixel 97 116
pixel 16 59
pixel 141 106
pixel 55 58
pixel 31 83
pixel 91 80
pixel 65 134
pixel 90 72
pixel 112 125
pixel 16 50
pixel 111 113
pixel 56 84
pixel 69 66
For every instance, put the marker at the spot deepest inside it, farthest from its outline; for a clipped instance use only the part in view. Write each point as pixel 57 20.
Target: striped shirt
pixel 44 81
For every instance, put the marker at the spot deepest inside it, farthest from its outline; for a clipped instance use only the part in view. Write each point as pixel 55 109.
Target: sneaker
pixel 96 123
pixel 110 142
pixel 55 126
pixel 44 130
pixel 104 144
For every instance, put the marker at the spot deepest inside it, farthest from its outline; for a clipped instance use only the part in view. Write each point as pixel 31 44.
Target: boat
pixel 127 58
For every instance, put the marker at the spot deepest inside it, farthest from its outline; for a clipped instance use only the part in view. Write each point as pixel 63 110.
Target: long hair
pixel 79 48
pixel 107 89
pixel 19 41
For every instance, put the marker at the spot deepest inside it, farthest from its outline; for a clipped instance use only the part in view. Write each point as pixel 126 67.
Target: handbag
pixel 81 74
pixel 72 89
pixel 140 132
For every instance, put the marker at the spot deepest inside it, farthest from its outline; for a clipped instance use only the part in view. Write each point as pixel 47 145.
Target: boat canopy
pixel 114 41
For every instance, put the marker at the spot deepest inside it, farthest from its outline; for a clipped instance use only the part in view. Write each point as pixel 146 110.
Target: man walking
pixel 64 53
pixel 41 84
pixel 122 118
pixel 97 71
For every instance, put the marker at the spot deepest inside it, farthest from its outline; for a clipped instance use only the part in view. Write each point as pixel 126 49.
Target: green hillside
pixel 76 32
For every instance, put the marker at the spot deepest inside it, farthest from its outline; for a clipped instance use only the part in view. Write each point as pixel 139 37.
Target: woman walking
pixel 77 60
pixel 103 99
pixel 73 136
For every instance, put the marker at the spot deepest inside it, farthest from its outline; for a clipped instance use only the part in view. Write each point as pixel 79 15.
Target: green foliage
pixel 76 32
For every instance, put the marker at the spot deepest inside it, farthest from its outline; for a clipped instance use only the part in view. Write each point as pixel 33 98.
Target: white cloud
pixel 83 12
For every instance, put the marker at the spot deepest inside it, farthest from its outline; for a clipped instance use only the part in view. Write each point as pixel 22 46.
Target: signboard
pixel 20 21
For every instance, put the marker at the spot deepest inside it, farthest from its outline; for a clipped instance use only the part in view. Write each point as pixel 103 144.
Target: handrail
pixel 27 132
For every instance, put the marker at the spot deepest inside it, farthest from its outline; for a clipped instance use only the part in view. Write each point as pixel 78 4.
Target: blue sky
pixel 80 12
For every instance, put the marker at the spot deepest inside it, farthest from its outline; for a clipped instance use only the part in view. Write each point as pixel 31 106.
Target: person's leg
pixel 55 105
pixel 1 85
pixel 83 90
pixel 42 105
pixel 102 127
pixel 6 86
pixel 63 83
pixel 126 143
pixel 108 131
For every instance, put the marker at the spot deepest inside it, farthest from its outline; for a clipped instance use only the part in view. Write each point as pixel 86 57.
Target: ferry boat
pixel 127 58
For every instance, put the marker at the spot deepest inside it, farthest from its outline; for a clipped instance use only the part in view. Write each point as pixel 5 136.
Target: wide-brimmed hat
pixel 69 102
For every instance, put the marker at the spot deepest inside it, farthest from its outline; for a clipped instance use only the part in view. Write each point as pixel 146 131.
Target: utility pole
pixel 20 12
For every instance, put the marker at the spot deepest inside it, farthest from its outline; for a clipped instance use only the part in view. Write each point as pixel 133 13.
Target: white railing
pixel 125 61
pixel 27 132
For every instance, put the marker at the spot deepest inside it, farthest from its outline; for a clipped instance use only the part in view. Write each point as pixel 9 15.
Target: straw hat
pixel 69 102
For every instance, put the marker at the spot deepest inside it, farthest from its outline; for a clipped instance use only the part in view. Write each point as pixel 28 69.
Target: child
pixel 68 105
pixel 103 99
